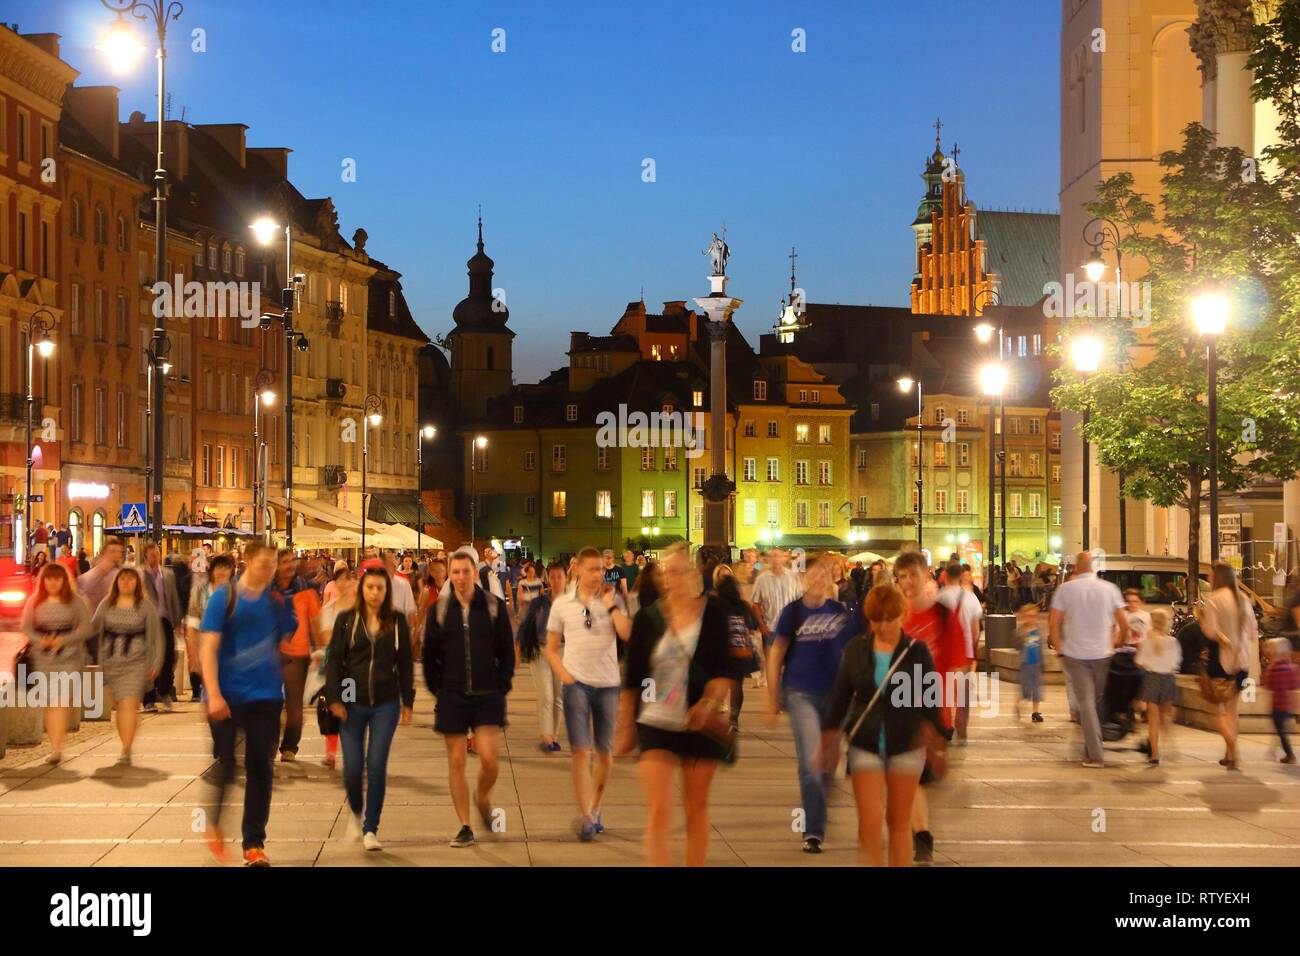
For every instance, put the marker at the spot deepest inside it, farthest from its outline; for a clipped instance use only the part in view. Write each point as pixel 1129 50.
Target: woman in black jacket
pixel 891 677
pixel 679 676
pixel 370 685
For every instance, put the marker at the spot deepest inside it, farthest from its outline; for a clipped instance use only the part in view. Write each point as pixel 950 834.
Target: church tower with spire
pixel 480 343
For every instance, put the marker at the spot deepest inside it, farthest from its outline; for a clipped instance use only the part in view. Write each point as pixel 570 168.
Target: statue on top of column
pixel 719 252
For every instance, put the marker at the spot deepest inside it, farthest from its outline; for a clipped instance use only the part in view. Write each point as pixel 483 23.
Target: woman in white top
pixel 1230 627
pixel 1159 655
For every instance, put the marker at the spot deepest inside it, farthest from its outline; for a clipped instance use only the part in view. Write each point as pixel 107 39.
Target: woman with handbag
pixel 679 676
pixel 370 648
pixel 742 625
pixel 884 703
pixel 344 599
pixel 1231 654
pixel 55 623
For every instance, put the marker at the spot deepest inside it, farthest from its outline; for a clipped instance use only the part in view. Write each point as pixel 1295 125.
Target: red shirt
pixel 71 564
pixel 945 640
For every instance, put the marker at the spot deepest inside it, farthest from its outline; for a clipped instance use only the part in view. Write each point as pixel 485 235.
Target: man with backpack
pixel 243 625
pixel 930 621
pixel 469 664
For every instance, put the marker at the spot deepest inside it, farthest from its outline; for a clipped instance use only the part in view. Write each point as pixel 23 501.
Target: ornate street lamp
pixel 1085 356
pixel 1210 313
pixel 37 329
pixel 372 414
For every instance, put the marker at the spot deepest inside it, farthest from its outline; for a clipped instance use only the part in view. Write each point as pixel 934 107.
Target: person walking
pixel 775 588
pixel 1281 678
pixel 160 587
pixel 529 588
pixel 130 636
pixel 1233 651
pixel 530 649
pixel 94 583
pixel 963 604
pixel 69 562
pixel 808 643
pixel 370 648
pixel 1081 626
pixel 889 734
pixel 680 646
pixel 345 599
pixel 56 625
pixel 469 663
pixel 583 631
pixel 293 590
pixel 1159 655
pixel 242 628
pixel 220 571
pixel 744 638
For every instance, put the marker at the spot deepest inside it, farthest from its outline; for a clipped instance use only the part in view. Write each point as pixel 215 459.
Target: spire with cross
pixel 793 257
pixel 938 126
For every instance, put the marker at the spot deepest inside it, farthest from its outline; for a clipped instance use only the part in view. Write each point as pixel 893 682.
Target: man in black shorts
pixel 469 662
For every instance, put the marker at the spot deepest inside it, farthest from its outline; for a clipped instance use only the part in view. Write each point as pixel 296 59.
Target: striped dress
pixel 130 647
pixel 68 621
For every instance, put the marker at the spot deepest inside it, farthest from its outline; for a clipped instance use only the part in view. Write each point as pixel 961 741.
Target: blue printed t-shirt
pixel 248 661
pixel 1032 652
pixel 818 637
pixel 882 668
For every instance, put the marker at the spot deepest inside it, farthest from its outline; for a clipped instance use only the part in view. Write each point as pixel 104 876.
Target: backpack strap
pixel 493 606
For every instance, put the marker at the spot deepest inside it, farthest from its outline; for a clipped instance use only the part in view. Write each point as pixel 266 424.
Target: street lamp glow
pixel 265 230
pixel 1210 312
pixel 984 332
pixel 1056 542
pixel 1095 267
pixel 45 346
pixel 166 367
pixel 1085 353
pixel 481 441
pixel 905 383
pixel 121 47
pixel 993 379
pixel 645 530
pixel 375 419
pixel 428 431
pixel 267 397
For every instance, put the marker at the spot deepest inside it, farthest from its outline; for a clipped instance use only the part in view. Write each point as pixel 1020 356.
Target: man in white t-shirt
pixel 583 630
pixel 403 596
pixel 1085 612
pixel 966 606
pixel 774 588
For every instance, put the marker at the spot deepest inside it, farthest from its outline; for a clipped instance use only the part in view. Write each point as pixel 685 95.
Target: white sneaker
pixel 354 826
pixel 371 842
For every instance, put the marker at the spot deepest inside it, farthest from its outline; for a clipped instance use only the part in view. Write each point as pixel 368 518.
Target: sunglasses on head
pixel 586 616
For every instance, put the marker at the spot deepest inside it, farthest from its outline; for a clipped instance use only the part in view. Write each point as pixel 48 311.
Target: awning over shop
pixel 391 508
pixel 324 513
pixel 812 542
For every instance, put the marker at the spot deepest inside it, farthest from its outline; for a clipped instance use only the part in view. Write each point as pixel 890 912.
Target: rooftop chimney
pixel 95 108
pixel 277 157
pixel 230 136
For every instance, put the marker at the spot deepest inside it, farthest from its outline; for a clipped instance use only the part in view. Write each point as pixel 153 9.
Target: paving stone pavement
pixel 1016 795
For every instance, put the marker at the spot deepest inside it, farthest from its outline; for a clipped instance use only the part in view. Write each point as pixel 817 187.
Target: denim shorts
pixel 911 762
pixel 590 712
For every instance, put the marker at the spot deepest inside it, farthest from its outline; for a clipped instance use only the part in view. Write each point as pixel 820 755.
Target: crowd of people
pixel 647 657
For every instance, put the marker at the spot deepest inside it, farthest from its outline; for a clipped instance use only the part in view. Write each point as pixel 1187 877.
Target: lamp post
pixel 984 332
pixel 428 431
pixel 1102 234
pixel 479 442
pixel 122 48
pixel 1210 312
pixel 1085 355
pixel 263 396
pixel 265 230
pixel 993 380
pixel 372 414
pixel 905 385
pixel 156 369
pixel 39 324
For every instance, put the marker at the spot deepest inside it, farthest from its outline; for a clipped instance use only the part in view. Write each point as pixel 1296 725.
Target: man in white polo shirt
pixel 583 631
pixel 1085 613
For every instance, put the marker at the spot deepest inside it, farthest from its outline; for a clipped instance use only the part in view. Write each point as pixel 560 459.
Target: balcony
pixel 335 389
pixel 333 318
pixel 333 476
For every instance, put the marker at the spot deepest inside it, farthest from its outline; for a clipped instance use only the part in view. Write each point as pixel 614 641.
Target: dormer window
pixel 392 303
pixel 760 390
pixel 239 262
pixel 212 257
pixel 519 414
pixel 697 398
pixel 570 413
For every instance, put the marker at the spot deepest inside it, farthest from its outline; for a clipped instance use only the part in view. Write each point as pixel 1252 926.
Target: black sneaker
pixel 464 838
pixel 812 845
pixel 923 847
pixel 1037 717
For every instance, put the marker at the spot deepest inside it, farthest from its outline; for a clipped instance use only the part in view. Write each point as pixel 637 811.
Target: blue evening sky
pixel 820 150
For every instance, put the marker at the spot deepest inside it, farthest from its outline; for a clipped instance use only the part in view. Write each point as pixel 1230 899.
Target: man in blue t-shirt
pixel 808 643
pixel 242 681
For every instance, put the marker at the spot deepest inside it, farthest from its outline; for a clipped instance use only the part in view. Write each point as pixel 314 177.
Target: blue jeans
pixel 382 722
pixel 590 712
pixel 805 713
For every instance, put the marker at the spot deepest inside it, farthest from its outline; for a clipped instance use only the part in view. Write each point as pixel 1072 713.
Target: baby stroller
pixel 1123 683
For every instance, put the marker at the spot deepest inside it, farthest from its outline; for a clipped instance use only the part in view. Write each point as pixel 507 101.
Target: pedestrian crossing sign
pixel 133 515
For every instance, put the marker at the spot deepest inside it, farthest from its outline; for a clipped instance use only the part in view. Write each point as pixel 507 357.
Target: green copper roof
pixel 1024 249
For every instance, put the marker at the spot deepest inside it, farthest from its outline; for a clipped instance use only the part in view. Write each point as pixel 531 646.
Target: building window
pixel 699 517
pixel 221 466
pixel 1056 440
pixel 76 411
pixel 121 419
pixel 1056 473
pixel 656 352
pixel 749 512
pixel 1015 426
pixel 963 453
pixel 862 458
pixel 1016 505
pixel 800 473
pixel 774 469
pixel 803 396
pixel 530 460
pixel 773 511
pixel 801 434
pixel 604 505
pixel 559 504
pixel 1034 463
pixel 963 416
pixel 1056 516
pixel 1038 344
pixel 963 502
pixel 940 454
pixel 559 458
pixel 670 459
pixel 823 514
pixel 1013 465
pixel 699 478
pixel 101 226
pixel 602 459
pixel 749 428
pixel 670 504
pixel 801 514
pixel 816 397
pixel 1035 505
pixel 570 413
pixel 101 426
pixel 75 308
pixel 862 504
pixel 212 257
pixel 519 414
pixel 941 502
pixel 997 504
pixel 648 458
pixel 647 503
pixel 760 390
pixel 697 398
pixel 751 469
pixel 122 235
pixel 207 465
pixel 773 430
pixel 823 472
pixel 530 505
pixel 1020 346
pixel 823 434
pixel 1035 425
